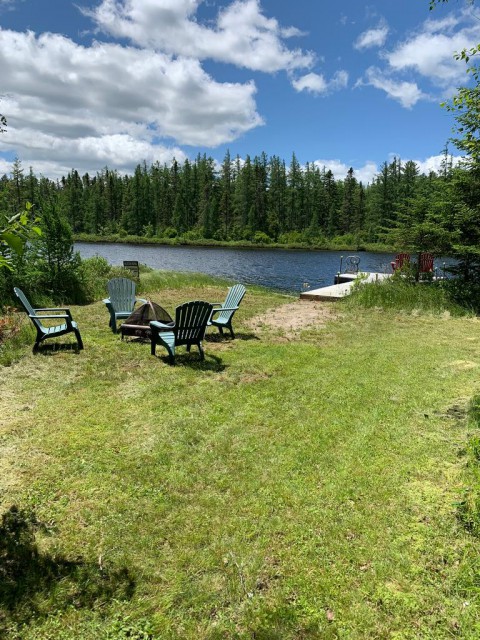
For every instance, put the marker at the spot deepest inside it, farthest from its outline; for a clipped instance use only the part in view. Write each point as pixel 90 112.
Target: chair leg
pixel 231 331
pixel 171 355
pixel 202 353
pixel 79 339
pixel 221 330
pixel 153 345
pixel 112 321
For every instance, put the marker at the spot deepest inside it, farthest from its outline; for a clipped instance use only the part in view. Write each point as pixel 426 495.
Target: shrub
pixel 94 274
pixel 261 238
pixel 169 232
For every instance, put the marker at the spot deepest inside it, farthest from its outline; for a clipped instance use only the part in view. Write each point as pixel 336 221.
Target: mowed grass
pixel 283 488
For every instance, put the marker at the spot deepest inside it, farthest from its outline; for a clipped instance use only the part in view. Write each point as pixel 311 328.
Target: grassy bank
pixel 291 486
pixel 338 244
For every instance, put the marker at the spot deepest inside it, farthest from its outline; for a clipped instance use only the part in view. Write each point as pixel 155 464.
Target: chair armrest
pixel 50 316
pixel 224 309
pixel 144 302
pixel 155 324
pixel 65 309
pixel 106 301
pixel 216 304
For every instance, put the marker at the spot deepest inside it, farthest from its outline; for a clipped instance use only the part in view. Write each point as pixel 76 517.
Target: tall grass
pixel 403 295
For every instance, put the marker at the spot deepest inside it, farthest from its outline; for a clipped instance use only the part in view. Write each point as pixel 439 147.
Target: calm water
pixel 287 271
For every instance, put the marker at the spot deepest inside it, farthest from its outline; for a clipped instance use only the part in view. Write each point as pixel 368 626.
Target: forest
pixel 259 200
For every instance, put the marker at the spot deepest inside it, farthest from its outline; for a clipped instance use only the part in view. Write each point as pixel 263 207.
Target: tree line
pixel 260 199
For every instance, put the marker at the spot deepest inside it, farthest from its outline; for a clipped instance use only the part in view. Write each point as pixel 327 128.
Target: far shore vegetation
pixel 338 243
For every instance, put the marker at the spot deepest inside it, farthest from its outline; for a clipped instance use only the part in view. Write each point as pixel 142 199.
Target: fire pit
pixel 137 324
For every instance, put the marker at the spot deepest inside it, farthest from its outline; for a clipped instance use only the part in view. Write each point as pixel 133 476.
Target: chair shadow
pixel 192 360
pixel 52 348
pixel 217 337
pixel 27 575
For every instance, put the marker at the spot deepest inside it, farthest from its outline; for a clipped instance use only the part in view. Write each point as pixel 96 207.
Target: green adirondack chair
pixel 222 317
pixel 191 321
pixel 121 300
pixel 69 326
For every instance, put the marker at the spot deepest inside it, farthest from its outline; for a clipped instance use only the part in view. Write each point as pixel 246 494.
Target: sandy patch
pixel 295 316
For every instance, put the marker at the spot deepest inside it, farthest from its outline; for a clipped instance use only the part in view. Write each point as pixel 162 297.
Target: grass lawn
pixel 293 485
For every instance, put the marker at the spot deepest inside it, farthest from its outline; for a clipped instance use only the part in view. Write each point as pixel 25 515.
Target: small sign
pixel 132 265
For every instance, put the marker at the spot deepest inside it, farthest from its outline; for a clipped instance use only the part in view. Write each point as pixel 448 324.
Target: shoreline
pixel 234 244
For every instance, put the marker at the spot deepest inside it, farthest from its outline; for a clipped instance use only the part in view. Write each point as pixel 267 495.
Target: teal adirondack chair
pixel 121 300
pixel 191 321
pixel 222 317
pixel 49 314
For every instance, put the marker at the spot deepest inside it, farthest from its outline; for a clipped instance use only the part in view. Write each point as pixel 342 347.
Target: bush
pixel 192 235
pixel 291 237
pixel 261 238
pixel 15 333
pixel 169 232
pixel 94 275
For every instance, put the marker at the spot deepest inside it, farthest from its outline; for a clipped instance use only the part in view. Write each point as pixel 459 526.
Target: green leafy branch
pixel 15 232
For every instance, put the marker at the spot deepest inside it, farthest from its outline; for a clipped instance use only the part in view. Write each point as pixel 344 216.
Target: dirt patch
pixel 295 316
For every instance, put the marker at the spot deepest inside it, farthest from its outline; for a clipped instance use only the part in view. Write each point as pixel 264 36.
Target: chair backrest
pixel 234 297
pixel 191 321
pixel 121 292
pixel 351 264
pixel 425 264
pixel 27 307
pixel 402 259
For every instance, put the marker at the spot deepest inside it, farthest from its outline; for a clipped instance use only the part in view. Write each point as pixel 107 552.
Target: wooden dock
pixel 339 291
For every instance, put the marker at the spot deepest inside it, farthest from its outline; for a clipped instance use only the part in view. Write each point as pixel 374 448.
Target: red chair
pixel 425 263
pixel 401 259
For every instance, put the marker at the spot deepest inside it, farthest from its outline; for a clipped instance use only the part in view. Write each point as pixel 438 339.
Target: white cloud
pixel 339 169
pixel 370 169
pixel 434 163
pixel 373 37
pixel 242 34
pixel 425 56
pixel 430 52
pixel 110 103
pixel 317 84
pixel 407 93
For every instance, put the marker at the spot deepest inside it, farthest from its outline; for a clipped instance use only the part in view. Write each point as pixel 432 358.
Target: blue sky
pixel 344 84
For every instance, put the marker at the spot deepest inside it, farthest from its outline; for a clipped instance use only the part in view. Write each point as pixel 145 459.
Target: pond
pixel 283 270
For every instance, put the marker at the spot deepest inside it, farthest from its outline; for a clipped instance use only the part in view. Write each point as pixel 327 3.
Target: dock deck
pixel 339 291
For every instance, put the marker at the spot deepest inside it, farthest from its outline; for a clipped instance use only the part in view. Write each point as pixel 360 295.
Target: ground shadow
pixel 28 578
pixel 52 348
pixel 192 359
pixel 217 337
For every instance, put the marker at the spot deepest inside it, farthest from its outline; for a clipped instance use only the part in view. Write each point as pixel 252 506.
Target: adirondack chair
pixel 190 324
pixel 425 263
pixel 401 259
pixel 222 316
pixel 53 313
pixel 121 300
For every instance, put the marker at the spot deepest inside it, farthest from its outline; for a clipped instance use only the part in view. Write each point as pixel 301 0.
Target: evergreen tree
pixel 53 257
pixel 277 197
pixel 226 207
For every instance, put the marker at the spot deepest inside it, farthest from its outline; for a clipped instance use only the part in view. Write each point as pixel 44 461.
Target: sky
pixel 112 83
